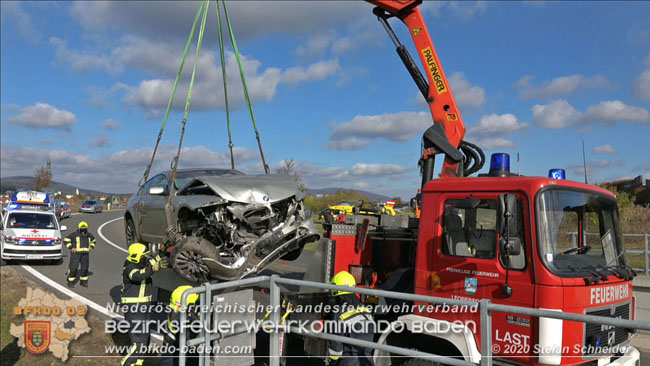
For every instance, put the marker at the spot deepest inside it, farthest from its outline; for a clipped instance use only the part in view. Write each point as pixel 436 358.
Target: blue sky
pixel 86 83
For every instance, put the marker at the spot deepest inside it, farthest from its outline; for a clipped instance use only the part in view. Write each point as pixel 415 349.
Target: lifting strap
pixel 225 84
pixel 243 81
pixel 174 163
pixel 171 98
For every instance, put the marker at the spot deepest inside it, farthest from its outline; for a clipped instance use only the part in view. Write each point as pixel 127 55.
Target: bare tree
pixel 43 178
pixel 288 167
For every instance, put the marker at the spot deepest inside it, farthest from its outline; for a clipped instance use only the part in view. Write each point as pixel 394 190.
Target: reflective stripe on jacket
pixel 136 282
pixel 82 243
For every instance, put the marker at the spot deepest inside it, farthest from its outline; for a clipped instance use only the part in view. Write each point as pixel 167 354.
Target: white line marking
pixel 99 232
pixel 72 294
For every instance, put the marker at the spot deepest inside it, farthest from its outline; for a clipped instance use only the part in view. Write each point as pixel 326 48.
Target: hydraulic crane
pixel 446 135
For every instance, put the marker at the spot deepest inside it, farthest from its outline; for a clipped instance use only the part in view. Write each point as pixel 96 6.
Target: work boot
pixel 83 283
pixel 70 284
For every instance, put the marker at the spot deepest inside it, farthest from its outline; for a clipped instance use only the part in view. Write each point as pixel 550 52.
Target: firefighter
pixel 354 321
pixel 80 243
pixel 137 296
pixel 172 328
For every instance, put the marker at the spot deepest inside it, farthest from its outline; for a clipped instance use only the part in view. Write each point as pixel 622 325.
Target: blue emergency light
pixel 557 174
pixel 499 165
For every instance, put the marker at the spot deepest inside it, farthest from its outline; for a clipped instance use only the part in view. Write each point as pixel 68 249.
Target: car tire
pixel 3 262
pixel 56 262
pixel 186 259
pixel 129 232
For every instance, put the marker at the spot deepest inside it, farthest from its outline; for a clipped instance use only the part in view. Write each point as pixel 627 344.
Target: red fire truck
pixel 538 242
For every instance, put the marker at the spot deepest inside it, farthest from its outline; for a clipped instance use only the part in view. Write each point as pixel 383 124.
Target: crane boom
pixel 446 135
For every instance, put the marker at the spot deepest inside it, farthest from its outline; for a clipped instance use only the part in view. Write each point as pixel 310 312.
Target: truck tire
pixel 187 262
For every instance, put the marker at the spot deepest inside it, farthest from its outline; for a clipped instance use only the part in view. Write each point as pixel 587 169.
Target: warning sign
pixel 416 31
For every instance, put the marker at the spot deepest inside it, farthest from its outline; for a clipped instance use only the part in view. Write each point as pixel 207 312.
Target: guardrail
pixel 486 308
pixel 645 252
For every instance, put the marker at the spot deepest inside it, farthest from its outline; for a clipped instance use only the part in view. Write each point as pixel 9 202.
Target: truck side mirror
pixel 508 224
pixel 64 228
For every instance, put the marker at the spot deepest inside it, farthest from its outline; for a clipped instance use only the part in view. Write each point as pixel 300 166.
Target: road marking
pixel 99 232
pixel 71 294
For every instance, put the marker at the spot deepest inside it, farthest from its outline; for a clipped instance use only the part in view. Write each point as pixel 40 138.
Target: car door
pixel 153 209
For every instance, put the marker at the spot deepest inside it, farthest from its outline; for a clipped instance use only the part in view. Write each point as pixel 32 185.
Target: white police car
pixel 31 230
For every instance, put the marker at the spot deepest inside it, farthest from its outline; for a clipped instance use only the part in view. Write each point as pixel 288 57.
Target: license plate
pixel 34 256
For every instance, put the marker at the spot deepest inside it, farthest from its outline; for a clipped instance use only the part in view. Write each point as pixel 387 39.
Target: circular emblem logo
pixel 266 198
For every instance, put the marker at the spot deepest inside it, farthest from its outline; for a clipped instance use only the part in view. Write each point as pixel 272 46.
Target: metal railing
pixel 645 252
pixel 485 307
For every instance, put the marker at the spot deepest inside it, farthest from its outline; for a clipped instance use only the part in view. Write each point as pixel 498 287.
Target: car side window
pixel 470 232
pixel 157 181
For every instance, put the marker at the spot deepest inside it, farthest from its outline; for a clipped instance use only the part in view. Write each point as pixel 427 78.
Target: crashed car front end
pixel 230 227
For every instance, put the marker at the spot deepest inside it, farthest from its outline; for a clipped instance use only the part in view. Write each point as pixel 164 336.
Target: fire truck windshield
pixel 578 232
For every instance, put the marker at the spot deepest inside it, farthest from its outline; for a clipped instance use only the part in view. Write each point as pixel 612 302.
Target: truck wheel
pixel 129 232
pixel 187 259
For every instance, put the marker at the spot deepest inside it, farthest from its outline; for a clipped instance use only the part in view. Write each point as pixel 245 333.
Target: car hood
pixel 252 189
pixel 32 234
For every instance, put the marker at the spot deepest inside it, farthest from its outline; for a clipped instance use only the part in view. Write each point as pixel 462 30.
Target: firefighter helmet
pixel 343 278
pixel 136 251
pixel 83 225
pixel 177 295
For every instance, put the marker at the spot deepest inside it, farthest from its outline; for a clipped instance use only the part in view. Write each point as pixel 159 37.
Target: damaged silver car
pixel 227 225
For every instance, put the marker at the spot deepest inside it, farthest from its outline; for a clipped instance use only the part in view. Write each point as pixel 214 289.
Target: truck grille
pixel 605 336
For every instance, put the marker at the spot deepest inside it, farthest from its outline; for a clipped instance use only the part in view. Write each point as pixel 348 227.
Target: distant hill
pixel 370 195
pixel 14 183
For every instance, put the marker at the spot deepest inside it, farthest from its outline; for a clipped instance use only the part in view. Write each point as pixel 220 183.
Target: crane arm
pixel 446 135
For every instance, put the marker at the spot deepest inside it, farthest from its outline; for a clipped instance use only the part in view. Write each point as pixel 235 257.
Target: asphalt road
pixel 106 260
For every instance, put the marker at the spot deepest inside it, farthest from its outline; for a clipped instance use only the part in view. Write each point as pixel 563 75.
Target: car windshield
pixel 89 202
pixel 578 231
pixel 25 220
pixel 184 177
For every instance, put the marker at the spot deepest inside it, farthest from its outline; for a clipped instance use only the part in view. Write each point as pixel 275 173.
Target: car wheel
pixel 56 262
pixel 129 232
pixel 187 259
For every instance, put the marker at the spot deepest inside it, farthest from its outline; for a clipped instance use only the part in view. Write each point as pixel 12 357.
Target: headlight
pixel 11 240
pixel 56 241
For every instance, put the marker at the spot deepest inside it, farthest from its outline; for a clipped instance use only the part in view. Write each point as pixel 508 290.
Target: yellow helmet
pixel 177 295
pixel 83 225
pixel 343 278
pixel 136 251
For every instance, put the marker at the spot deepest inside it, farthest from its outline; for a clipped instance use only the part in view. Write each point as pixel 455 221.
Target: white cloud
pixel 92 172
pixel 375 170
pixel 557 114
pixel 560 86
pixel 466 94
pixel 609 112
pixel 400 126
pixel 13 13
pixel 77 61
pixel 604 149
pixel 467 10
pixel 641 85
pixel 112 124
pixel 317 71
pixel 593 167
pixel 349 144
pixel 171 20
pixel 100 140
pixel 316 45
pixel 42 115
pixel 493 130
